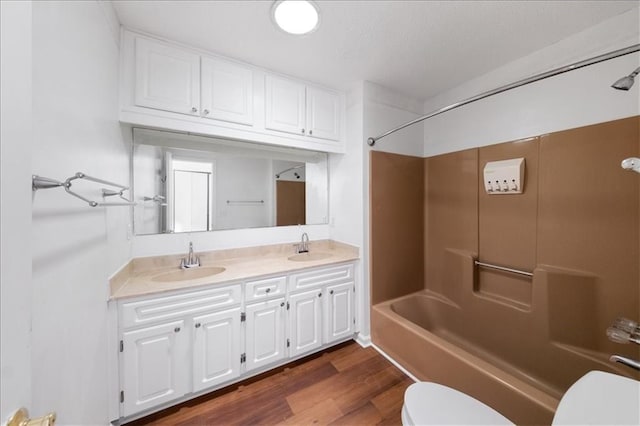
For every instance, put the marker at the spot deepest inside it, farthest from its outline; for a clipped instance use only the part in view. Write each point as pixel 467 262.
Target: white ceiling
pixel 419 48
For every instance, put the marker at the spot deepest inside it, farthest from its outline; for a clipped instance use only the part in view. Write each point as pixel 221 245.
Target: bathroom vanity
pixel 185 332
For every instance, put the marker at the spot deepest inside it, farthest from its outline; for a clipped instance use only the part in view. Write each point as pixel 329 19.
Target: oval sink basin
pixel 309 257
pixel 188 274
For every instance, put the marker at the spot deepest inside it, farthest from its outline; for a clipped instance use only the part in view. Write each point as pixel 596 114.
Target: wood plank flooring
pixel 344 385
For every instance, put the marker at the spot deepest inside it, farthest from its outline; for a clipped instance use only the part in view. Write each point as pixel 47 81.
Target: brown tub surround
pixel 515 342
pixel 396 203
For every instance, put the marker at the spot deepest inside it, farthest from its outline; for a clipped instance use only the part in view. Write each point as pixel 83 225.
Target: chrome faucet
pixel 191 261
pixel 624 330
pixel 303 247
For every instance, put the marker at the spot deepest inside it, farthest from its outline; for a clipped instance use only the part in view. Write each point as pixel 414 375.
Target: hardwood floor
pixel 344 385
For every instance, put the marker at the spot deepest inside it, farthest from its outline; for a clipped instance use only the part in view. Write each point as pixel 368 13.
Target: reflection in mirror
pixel 188 183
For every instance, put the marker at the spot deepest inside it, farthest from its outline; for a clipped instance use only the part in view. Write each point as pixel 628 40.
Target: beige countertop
pixel 140 276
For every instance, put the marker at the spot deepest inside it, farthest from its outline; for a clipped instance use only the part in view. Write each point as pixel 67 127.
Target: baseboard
pixel 363 340
pixel 394 362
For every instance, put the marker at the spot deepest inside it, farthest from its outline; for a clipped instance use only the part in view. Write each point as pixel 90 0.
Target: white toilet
pixel 427 403
pixel 596 398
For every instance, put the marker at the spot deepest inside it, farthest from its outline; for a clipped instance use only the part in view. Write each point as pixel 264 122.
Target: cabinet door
pixel 155 366
pixel 305 322
pixel 167 78
pixel 227 91
pixel 265 341
pixel 339 318
pixel 285 105
pixel 323 114
pixel 216 349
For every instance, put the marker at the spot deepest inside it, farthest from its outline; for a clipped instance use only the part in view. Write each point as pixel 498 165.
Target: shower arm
pixel 571 67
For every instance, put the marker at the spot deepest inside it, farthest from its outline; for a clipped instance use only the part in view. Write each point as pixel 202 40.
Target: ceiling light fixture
pixel 296 16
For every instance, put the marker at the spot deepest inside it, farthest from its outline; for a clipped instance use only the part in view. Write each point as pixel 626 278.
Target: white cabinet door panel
pixel 216 349
pixel 339 318
pixel 156 366
pixel 285 105
pixel 227 91
pixel 166 78
pixel 323 114
pixel 305 322
pixel 265 340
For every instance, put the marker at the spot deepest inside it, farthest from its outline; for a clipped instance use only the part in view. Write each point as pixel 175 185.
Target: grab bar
pixel 625 361
pixel 503 268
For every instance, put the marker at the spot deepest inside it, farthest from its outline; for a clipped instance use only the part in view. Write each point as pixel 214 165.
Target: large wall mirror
pixel 187 183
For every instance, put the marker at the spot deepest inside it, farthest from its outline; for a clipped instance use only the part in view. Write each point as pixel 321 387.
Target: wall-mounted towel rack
pixel 245 201
pixel 40 182
pixel 504 268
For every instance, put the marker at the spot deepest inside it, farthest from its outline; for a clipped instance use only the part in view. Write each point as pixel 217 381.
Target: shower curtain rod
pixel 576 65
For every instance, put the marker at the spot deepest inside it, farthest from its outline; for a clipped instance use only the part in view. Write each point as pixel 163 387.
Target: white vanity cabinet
pixel 322 307
pixel 181 344
pixel 166 341
pixel 154 366
pixel 216 348
pixel 305 322
pixel 265 333
pixel 301 109
pixel 339 311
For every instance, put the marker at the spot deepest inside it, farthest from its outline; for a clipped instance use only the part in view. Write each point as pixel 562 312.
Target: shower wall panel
pixel 589 219
pixel 507 225
pixel 397 225
pixel 451 218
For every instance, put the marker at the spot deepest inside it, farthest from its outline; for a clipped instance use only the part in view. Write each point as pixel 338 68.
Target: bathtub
pixel 521 376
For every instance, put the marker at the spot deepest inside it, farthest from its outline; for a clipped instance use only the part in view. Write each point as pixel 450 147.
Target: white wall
pixel 245 179
pixel 75 247
pixel 15 207
pixel 371 109
pixel 570 100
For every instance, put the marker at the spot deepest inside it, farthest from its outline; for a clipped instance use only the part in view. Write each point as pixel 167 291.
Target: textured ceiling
pixel 419 48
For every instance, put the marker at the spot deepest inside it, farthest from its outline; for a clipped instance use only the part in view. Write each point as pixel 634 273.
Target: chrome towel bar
pixel 39 182
pixel 245 201
pixel 504 268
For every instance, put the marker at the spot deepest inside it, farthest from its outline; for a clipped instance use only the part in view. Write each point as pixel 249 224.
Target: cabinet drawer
pixel 266 288
pixel 146 311
pixel 319 277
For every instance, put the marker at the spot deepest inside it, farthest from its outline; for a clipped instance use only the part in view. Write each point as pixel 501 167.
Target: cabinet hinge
pixel 121 396
pixel 243 316
pixel 354 320
pixel 287 306
pixel 243 358
pixel 288 343
pixel 354 288
pixel 121 346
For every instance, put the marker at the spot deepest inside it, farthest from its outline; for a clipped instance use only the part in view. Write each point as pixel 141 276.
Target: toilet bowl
pixel 427 403
pixel 596 398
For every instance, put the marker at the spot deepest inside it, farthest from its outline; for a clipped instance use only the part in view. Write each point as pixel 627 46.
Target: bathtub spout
pixel 626 361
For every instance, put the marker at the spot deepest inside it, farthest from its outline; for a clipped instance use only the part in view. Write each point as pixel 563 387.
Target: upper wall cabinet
pixel 169 86
pixel 166 78
pixel 300 109
pixel 227 91
pixel 172 79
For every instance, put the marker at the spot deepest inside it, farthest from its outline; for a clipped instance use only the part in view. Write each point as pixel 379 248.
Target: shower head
pixel 626 82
